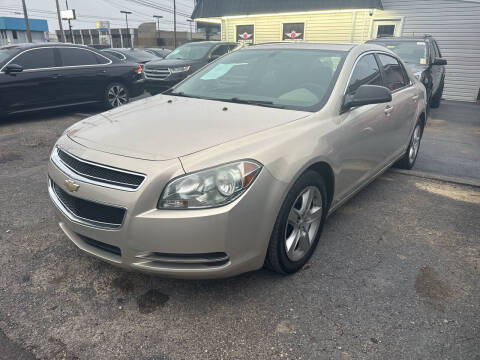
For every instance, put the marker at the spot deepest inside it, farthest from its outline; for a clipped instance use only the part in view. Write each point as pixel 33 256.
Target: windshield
pixel 412 52
pixel 190 52
pixel 285 78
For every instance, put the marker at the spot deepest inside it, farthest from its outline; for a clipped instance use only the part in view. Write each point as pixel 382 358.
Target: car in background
pixel 422 55
pixel 160 75
pixel 51 75
pixel 158 52
pixel 239 165
pixel 140 56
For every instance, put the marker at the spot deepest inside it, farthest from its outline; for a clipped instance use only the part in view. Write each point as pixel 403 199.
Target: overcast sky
pixel 90 11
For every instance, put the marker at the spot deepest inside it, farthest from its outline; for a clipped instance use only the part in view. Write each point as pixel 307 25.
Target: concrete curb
pixel 431 176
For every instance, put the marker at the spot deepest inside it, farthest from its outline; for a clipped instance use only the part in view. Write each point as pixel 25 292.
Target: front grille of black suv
pixel 90 212
pixel 100 173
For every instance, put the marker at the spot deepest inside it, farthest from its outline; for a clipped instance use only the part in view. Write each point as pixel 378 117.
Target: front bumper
pixel 209 243
pixel 157 85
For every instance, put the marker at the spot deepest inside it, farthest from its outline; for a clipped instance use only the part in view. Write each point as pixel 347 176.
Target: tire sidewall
pixel 310 178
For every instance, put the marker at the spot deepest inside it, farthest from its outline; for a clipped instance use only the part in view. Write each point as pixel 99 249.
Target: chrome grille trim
pixel 157 74
pixel 77 175
pixel 81 220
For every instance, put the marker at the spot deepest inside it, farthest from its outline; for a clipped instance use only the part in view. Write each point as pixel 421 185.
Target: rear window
pixel 412 52
pixel 79 57
pixel 141 55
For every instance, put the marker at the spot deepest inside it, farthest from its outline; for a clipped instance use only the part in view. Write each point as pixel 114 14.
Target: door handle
pixel 415 97
pixel 102 71
pixel 388 110
pixel 56 76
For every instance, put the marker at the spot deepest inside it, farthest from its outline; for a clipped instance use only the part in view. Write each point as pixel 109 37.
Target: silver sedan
pixel 239 165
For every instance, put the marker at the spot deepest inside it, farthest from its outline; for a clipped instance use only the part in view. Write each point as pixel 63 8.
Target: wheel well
pixel 324 170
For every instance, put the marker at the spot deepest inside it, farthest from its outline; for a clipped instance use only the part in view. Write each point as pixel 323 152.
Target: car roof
pixel 23 46
pixel 304 45
pixel 401 38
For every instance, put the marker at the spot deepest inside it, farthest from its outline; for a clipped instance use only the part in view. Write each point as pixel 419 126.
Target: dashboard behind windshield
pixel 288 78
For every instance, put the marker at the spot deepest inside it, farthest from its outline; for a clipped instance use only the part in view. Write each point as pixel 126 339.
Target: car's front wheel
pixel 410 156
pixel 116 94
pixel 299 225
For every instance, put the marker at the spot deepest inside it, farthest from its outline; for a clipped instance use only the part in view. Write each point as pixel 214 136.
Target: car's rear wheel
pixel 299 225
pixel 437 97
pixel 410 156
pixel 116 94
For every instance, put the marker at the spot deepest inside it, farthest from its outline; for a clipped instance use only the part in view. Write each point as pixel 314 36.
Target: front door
pixel 36 86
pixel 364 131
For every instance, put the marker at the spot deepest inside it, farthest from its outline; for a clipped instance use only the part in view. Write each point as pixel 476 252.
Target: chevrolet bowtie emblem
pixel 70 185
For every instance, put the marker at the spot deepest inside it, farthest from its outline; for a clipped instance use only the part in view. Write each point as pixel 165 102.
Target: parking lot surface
pixel 395 276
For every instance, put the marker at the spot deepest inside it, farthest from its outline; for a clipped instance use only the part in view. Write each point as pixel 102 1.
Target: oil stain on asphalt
pixel 151 301
pixel 427 284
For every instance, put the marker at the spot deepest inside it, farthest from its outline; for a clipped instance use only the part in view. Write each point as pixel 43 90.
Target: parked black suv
pixel 50 75
pixel 424 59
pixel 162 74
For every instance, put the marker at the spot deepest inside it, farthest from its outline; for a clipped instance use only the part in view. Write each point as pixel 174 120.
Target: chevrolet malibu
pixel 239 165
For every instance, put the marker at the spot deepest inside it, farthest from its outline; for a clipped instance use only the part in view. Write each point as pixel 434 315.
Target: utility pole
pixel 128 31
pixel 60 22
pixel 27 25
pixel 174 24
pixel 70 24
pixel 190 21
pixel 158 17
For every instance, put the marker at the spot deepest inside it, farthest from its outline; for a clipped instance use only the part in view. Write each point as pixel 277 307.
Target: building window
pixel 245 34
pixel 14 34
pixel 293 31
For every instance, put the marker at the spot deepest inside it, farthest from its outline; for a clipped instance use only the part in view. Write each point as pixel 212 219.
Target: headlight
pixel 179 69
pixel 210 188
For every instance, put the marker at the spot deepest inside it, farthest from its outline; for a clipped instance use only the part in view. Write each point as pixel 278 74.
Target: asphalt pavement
pixel 395 276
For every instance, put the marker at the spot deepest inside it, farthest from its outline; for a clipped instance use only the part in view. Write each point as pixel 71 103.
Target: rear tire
pixel 299 225
pixel 116 94
pixel 410 156
pixel 435 101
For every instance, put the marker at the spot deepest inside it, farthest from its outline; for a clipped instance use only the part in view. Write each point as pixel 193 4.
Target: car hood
pixel 162 63
pixel 166 127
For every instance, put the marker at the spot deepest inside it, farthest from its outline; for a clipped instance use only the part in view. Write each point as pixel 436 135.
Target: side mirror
pixel 365 95
pixel 12 69
pixel 439 61
pixel 213 57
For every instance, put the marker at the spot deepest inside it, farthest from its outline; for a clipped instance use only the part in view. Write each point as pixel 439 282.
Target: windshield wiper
pixel 253 102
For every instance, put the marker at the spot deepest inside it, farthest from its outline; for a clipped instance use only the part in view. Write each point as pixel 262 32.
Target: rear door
pixel 36 86
pixel 84 74
pixel 402 111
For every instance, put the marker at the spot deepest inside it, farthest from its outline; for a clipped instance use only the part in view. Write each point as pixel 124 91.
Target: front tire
pixel 410 156
pixel 116 94
pixel 299 225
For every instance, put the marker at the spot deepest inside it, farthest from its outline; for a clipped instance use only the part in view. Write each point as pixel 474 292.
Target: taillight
pixel 139 69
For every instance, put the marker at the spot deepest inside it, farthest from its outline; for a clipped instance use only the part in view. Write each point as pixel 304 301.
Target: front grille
pixel 89 211
pixel 100 245
pixel 157 74
pixel 100 173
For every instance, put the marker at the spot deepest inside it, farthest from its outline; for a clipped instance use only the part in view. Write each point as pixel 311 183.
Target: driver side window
pixel 366 72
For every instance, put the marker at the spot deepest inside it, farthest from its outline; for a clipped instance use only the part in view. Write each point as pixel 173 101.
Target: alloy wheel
pixel 117 96
pixel 413 151
pixel 303 223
